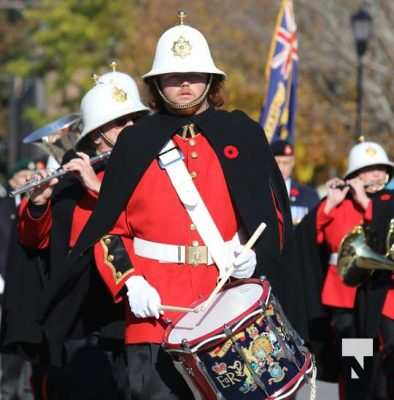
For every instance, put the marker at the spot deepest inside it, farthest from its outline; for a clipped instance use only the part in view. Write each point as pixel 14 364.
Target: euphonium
pixel 390 241
pixel 57 137
pixel 357 261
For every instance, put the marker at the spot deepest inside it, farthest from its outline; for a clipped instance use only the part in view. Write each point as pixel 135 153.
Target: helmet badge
pixel 370 151
pixel 181 47
pixel 119 95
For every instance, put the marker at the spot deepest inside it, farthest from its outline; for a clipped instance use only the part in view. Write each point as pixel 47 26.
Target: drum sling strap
pixel 171 160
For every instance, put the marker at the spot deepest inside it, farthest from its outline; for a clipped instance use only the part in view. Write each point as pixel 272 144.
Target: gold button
pixel 195 243
pixel 192 142
pixel 107 241
pixel 192 227
pixel 193 174
pixel 194 154
pixel 110 257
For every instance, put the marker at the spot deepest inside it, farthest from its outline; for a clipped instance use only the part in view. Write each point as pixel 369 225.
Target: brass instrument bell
pixel 357 261
pixel 390 241
pixel 57 137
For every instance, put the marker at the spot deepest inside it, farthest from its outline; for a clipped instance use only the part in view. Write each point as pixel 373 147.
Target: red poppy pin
pixel 288 151
pixel 294 192
pixel 231 152
pixel 385 197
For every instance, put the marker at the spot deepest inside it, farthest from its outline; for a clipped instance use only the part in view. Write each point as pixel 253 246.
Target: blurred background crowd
pixel 50 49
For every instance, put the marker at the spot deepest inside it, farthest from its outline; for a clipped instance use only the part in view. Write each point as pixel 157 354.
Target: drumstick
pixel 249 244
pixel 175 308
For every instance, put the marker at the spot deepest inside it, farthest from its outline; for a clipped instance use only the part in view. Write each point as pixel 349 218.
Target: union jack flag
pixel 281 76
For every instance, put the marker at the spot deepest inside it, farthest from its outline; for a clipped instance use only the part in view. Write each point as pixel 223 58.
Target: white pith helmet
pixel 367 154
pixel 114 95
pixel 182 49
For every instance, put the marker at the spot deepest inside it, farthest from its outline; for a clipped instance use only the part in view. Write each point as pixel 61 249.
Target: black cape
pixel 371 294
pixel 30 273
pixel 313 262
pixel 25 279
pixel 252 176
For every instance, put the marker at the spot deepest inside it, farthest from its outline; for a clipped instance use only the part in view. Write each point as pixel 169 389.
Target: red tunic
pixel 155 213
pixel 331 229
pixel 35 232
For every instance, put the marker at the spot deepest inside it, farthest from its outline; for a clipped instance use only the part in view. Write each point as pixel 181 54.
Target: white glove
pixel 144 299
pixel 244 263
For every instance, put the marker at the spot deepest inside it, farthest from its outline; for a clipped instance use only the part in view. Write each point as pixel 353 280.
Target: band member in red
pixel 183 189
pixel 360 198
pixel 52 220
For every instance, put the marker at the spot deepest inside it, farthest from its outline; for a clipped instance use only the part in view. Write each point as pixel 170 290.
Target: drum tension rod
pixel 263 307
pixel 186 345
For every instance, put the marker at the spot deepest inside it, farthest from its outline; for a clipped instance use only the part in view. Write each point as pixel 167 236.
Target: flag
pixel 281 74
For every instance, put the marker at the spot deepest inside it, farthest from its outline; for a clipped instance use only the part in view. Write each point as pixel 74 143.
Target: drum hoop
pixel 237 320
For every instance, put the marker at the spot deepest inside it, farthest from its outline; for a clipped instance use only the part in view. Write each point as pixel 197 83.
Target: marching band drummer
pixel 144 206
pixel 53 219
pixel 359 198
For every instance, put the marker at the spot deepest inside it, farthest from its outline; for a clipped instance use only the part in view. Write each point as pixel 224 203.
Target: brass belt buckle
pixel 196 255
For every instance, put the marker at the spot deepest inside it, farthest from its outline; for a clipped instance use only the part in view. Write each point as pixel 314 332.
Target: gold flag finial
pixel 361 139
pixel 181 15
pixel 113 65
pixel 95 78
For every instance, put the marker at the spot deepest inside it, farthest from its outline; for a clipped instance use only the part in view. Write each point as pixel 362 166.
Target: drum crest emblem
pixel 277 373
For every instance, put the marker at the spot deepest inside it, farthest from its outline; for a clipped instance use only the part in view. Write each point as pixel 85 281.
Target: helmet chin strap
pixel 194 103
pixel 107 140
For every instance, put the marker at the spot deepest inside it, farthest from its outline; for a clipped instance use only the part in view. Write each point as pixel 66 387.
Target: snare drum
pixel 241 347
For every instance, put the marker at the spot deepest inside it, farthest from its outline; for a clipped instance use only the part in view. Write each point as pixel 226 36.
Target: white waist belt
pixel 171 253
pixel 333 260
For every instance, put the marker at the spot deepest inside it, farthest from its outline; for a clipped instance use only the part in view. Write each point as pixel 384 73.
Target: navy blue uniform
pixel 302 200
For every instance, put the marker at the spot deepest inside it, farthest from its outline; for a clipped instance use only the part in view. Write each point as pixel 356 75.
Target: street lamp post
pixel 361 26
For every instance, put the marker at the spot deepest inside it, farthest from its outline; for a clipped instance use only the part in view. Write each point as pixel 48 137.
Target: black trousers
pixel 152 376
pixel 15 378
pixel 92 372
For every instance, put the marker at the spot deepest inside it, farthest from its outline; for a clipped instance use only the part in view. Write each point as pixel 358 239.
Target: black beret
pixel 282 148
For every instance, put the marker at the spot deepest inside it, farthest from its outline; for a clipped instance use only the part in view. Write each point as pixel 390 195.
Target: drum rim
pixel 264 296
pixel 297 381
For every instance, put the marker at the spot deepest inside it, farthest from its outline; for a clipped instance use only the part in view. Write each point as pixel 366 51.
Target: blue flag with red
pixel 279 109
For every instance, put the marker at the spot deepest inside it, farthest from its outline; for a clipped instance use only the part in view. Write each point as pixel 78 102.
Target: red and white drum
pixel 241 347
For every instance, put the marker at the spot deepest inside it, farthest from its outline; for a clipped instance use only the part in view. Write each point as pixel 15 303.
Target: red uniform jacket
pixel 155 213
pixel 331 229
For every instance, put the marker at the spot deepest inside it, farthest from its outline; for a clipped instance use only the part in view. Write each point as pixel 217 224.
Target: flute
pixel 376 185
pixel 56 174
